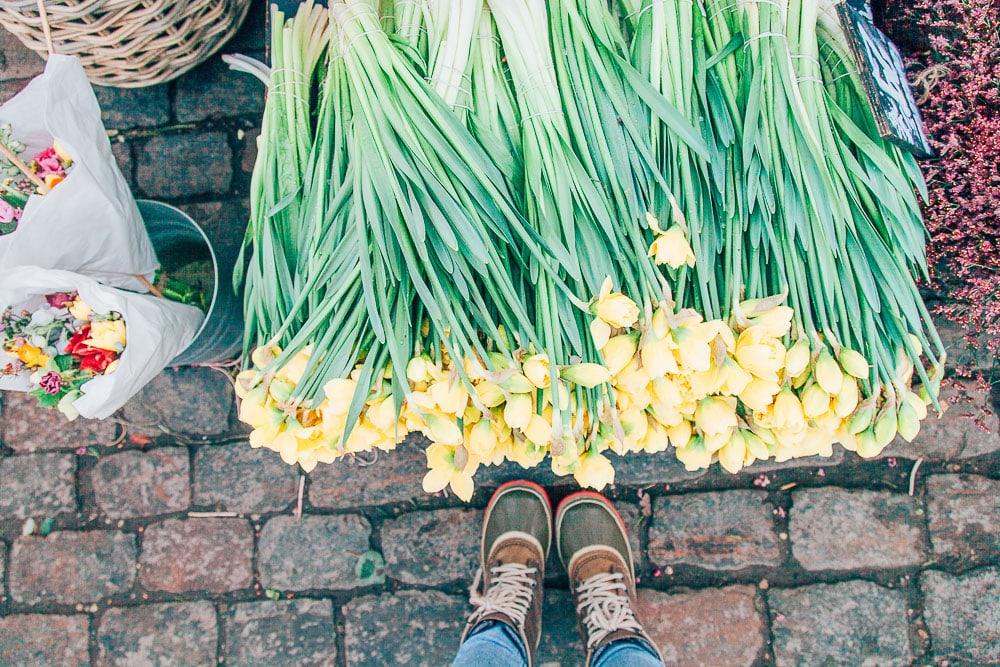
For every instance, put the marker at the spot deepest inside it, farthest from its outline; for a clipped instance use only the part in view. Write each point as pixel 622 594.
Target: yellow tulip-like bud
pixel 619 352
pixel 600 331
pixel 418 369
pixel 815 401
pixel 82 311
pixel 517 411
pixel 853 362
pixel 443 430
pixel 733 453
pixel 680 434
pixel 107 335
pixel 536 369
pixel 594 471
pixel 716 414
pixel 759 394
pixel 586 375
pixel 490 393
pixel 907 421
pixel 828 373
pixel 280 390
pixel 615 308
pixel 797 358
pixel 449 395
pixel 482 440
pixel 246 381
pixel 538 430
pixel 657 356
pixel 886 427
pixel 788 412
pixel 734 378
pixel 672 248
pixel 693 349
pixel 339 392
pixel 656 439
pixel 868 446
pixel 514 382
pixel 755 445
pixel 862 418
pixel 382 414
pixel 694 455
pixel 775 322
pixel 847 399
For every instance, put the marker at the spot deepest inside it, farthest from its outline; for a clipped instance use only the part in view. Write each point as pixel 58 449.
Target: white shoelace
pixel 605 607
pixel 512 588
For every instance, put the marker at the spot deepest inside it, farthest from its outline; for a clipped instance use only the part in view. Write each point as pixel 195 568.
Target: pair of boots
pixel 593 546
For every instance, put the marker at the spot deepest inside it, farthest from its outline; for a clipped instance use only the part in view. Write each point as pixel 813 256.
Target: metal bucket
pixel 176 237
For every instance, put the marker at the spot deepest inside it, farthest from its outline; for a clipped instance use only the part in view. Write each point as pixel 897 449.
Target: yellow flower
pixel 828 373
pixel 296 366
pixel 619 352
pixel 339 392
pixel 450 466
pixel 657 355
pixel 482 440
pixel 489 393
pixel 443 429
pixel 694 455
pixel 787 411
pixel 449 395
pixel 680 434
pixel 775 322
pixel 715 414
pixel 733 453
pixel 62 152
pixel 853 362
pixel 538 430
pixel 536 369
pixel 80 310
pixel 615 308
pixel 107 335
pixel 694 352
pixel 760 354
pixel 797 358
pixel 734 378
pixel 847 399
pixel 672 248
pixel 586 374
pixel 418 369
pixel 759 394
pixel 815 401
pixel 264 355
pixel 594 471
pixel 517 412
pixel 31 356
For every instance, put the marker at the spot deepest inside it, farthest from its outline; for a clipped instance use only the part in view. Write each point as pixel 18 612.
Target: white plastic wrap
pixel 157 330
pixel 89 223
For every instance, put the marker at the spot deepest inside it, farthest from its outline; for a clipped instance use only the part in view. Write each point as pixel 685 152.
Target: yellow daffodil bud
pixel 907 421
pixel 734 378
pixel 482 439
pixel 538 430
pixel 797 358
pixel 853 362
pixel 775 322
pixel 418 369
pixel 490 393
pixel 787 411
pixel 886 427
pixel 657 356
pixel 694 455
pixel 656 439
pixel 862 418
pixel 536 369
pixel 828 373
pixel 339 392
pixel 619 352
pixel 680 434
pixel 847 399
pixel 443 430
pixel 517 411
pixel 449 395
pixel 716 414
pixel 759 394
pixel 615 308
pixel 594 471
pixel 733 453
pixel 815 401
pixel 280 390
pixel 693 349
pixel 868 446
pixel 600 331
pixel 586 375
pixel 515 383
pixel 672 248
pixel 755 445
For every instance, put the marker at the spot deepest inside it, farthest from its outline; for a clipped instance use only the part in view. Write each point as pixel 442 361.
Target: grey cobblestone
pixel 37 639
pixel 197 555
pixel 288 548
pixel 136 484
pixel 236 478
pixel 299 633
pixel 37 485
pixel 182 634
pixel 432 548
pixel 964 517
pixel 963 615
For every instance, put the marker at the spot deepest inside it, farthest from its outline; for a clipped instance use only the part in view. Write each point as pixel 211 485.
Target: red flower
pixel 60 299
pixel 89 358
pixel 48 162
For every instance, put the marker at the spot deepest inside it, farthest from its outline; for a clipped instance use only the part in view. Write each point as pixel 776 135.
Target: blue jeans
pixel 495 644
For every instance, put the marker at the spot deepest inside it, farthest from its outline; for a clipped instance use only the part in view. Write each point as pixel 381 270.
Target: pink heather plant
pixel 953 49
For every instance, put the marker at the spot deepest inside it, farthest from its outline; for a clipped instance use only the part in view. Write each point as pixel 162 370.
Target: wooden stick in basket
pixel 17 162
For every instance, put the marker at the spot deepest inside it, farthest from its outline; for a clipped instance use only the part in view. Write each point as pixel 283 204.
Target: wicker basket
pixel 127 43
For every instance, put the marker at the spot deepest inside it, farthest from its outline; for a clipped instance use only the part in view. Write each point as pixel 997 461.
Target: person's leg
pixel 506 625
pixel 491 644
pixel 594 548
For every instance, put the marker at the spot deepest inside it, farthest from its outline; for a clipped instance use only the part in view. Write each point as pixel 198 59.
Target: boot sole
pixel 520 485
pixel 591 497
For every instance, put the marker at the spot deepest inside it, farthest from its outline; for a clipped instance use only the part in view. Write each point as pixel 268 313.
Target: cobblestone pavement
pixel 175 543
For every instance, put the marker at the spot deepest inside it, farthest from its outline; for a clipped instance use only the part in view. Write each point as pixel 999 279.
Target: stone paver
pixel 432 548
pixel 184 165
pixel 963 615
pixel 964 516
pixel 197 555
pixel 727 530
pixel 124 108
pixel 850 623
pixel 289 547
pixel 212 90
pixel 37 639
pixel 181 634
pixel 136 484
pixel 69 567
pixel 393 478
pixel 193 401
pixel 837 529
pixel 25 427
pixel 299 633
pixel 710 627
pixel 37 485
pixel 414 628
pixel 237 478
pixel 560 644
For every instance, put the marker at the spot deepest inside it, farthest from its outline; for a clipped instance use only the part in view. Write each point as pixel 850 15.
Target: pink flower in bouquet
pixel 49 163
pixel 61 299
pixel 9 213
pixel 51 383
